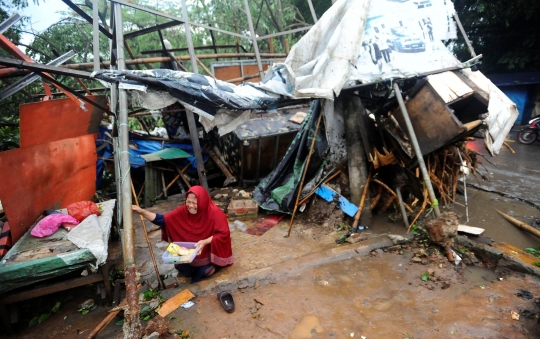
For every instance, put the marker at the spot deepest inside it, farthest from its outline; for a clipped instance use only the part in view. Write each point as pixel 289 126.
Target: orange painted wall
pixel 46 121
pixel 45 176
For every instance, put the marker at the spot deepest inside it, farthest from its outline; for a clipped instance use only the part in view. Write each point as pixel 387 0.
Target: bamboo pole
pixel 139 61
pixel 362 201
pixel 424 203
pixel 205 68
pixel 324 182
pixel 147 239
pixel 520 224
pixel 304 172
pixel 392 192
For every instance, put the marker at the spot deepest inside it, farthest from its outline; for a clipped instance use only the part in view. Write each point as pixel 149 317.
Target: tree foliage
pixel 507 33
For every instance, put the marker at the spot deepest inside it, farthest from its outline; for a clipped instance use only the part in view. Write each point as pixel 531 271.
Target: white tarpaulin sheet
pixel 364 41
pixel 93 232
pixel 502 115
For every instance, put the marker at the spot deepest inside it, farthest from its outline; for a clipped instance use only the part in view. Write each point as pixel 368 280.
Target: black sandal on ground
pixel 226 300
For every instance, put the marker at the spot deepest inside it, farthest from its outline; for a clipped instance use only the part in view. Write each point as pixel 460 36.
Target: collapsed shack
pixel 399 148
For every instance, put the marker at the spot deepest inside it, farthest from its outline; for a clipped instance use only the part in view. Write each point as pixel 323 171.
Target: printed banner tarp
pixel 365 41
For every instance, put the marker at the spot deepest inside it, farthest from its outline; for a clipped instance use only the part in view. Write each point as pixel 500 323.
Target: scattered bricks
pixel 424 261
pixel 218 196
pixel 445 285
pixel 394 248
pixel 430 270
pixel 257 284
pixel 170 282
pixel 356 237
pixel 416 260
pixel 433 259
pixel 430 287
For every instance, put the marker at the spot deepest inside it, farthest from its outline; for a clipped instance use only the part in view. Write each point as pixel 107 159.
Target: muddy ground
pixel 379 295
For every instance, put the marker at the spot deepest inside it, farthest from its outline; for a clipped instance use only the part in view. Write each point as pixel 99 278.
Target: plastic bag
pixel 80 210
pixel 49 225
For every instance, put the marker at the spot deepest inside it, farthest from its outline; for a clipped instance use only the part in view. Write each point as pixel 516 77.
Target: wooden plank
pixel 470 229
pixel 53 120
pixel 61 286
pixel 47 176
pixel 329 195
pixel 175 302
pixel 449 86
pixel 433 123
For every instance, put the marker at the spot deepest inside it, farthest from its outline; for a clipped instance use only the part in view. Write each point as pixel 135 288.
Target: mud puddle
pixel 477 274
pixel 376 297
pixel 482 213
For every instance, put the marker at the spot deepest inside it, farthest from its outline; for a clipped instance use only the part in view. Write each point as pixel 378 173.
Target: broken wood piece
pixel 393 193
pixel 375 200
pixel 329 195
pixel 168 186
pixel 107 320
pixel 470 229
pixel 520 224
pixel 172 304
pixel 424 203
pixel 231 179
pixel 324 182
pixel 509 148
pixel 362 201
pixel 298 117
pixel 379 159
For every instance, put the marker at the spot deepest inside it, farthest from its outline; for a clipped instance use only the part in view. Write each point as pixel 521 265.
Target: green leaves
pixel 43 317
pixel 425 276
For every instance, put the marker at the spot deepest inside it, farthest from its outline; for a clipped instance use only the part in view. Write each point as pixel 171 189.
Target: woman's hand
pixel 200 244
pixel 146 214
pixel 136 209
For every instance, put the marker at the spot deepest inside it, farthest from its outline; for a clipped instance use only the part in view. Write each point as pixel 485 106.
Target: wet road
pixel 516 175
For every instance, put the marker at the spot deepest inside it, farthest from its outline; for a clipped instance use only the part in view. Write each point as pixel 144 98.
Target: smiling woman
pixel 199 220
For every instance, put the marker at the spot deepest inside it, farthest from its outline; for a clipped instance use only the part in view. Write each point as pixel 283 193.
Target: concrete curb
pixel 497 259
pixel 270 275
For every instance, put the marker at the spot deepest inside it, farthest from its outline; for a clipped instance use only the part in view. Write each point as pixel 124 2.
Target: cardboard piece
pixel 242 209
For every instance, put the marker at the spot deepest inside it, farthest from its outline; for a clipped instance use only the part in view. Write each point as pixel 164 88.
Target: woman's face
pixel 191 203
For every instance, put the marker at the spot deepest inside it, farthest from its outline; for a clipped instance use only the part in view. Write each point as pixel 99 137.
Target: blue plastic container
pixel 169 258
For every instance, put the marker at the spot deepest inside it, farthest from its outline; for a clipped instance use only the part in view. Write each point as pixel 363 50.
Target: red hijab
pixel 182 226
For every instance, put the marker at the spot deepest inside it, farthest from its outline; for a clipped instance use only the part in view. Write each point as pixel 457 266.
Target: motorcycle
pixel 529 133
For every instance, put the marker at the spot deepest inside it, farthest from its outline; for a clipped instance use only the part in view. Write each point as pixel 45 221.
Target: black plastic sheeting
pixel 278 191
pixel 202 92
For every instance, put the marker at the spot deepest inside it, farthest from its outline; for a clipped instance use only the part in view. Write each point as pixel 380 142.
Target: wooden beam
pixel 61 286
pixel 151 29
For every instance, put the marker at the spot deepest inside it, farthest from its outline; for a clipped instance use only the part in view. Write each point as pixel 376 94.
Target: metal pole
pixel 95 33
pixel 312 11
pixel 123 135
pixel 189 114
pixel 462 30
pixel 132 323
pixel 402 207
pixel 254 40
pixel 191 49
pixel 417 151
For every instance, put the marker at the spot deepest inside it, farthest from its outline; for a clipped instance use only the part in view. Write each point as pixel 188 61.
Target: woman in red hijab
pixel 199 220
